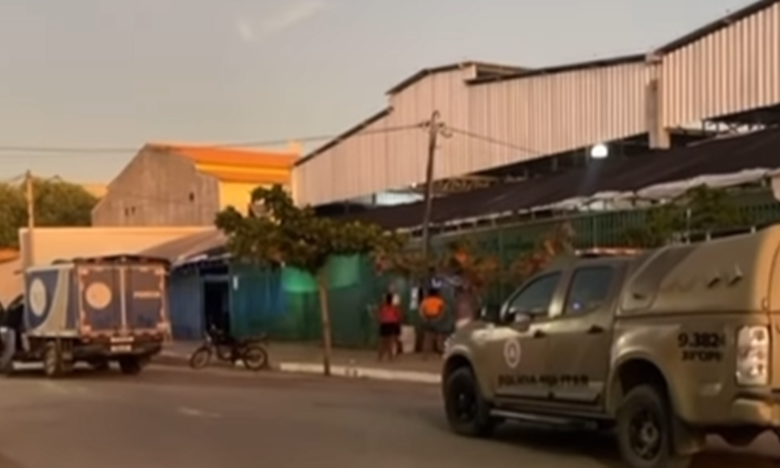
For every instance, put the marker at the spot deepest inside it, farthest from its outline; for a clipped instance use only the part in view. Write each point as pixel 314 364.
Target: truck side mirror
pixel 508 315
pixel 522 321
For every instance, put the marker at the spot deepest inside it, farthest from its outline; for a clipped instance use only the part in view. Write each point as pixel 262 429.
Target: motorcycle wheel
pixel 255 357
pixel 200 358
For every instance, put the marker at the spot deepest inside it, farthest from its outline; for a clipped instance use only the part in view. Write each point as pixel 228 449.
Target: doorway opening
pixel 216 304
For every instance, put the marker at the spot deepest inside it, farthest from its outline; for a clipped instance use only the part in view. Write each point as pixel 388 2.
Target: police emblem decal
pixel 512 352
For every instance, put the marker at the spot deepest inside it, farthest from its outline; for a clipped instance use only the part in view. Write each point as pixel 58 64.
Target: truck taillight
pixel 753 354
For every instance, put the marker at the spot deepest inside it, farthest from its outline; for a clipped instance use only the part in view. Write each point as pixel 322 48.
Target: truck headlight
pixel 753 347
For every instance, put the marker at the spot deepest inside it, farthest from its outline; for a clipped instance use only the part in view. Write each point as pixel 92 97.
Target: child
pixel 389 327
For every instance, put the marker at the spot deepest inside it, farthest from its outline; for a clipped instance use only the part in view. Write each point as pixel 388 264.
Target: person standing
pixel 432 314
pixel 393 290
pixel 466 306
pixel 389 328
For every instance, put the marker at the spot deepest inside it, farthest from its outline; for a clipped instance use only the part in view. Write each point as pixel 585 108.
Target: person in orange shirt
pixel 432 314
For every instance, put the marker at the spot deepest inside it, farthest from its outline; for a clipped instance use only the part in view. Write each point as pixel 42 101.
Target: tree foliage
pixel 57 203
pixel 700 210
pixel 553 243
pixel 278 232
pixel 477 269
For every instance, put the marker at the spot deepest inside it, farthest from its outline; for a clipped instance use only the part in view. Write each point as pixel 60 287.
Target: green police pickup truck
pixel 663 346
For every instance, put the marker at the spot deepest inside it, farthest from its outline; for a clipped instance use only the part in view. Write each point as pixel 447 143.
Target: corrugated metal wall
pixel 529 117
pixel 445 92
pixel 386 155
pixel 350 169
pixel 185 305
pixel 543 113
pixel 257 302
pixel 734 69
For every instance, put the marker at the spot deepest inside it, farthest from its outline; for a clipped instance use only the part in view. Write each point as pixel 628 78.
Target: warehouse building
pixel 512 123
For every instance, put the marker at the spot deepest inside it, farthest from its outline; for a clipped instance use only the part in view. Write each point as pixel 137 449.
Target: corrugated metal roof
pixel 179 250
pixel 716 25
pixel 230 156
pixel 483 68
pixel 352 131
pixel 600 63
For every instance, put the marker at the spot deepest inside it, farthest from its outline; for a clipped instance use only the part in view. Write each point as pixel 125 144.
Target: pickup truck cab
pixel 664 346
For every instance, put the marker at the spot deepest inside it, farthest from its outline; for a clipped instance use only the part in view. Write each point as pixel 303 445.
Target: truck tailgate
pixel 144 293
pixel 101 305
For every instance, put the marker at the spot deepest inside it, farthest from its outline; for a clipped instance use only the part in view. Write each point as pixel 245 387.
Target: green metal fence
pixel 355 287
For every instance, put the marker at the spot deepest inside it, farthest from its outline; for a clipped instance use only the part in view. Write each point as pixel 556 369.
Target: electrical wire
pixel 63 150
pixel 494 141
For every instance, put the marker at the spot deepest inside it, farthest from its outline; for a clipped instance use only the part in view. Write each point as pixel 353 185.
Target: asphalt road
pixel 172 418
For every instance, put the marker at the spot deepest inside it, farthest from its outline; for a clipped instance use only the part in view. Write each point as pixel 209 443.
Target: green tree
pixel 280 233
pixel 13 214
pixel 57 203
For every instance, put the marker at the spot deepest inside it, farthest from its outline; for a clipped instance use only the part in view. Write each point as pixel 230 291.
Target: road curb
pixel 361 372
pixel 355 372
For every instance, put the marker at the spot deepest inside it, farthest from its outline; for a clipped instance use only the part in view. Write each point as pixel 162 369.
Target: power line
pixel 494 141
pixel 62 150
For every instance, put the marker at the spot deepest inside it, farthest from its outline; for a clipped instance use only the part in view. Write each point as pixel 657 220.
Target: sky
pixel 105 74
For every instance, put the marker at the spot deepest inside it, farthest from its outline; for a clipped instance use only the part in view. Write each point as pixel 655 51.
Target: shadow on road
pixel 78 373
pixel 7 462
pixel 601 446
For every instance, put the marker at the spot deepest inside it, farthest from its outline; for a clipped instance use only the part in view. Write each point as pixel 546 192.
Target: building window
pixel 192 196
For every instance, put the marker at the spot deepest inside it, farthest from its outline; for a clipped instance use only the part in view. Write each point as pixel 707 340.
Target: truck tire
pixel 52 360
pixel 468 413
pixel 130 365
pixel 644 430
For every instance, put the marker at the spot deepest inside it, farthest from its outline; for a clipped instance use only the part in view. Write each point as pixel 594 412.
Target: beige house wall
pixel 50 244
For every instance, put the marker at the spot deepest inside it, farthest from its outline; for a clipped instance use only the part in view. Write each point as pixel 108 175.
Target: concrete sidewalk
pixel 307 359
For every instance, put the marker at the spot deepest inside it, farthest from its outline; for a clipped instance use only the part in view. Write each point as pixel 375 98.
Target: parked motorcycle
pixel 217 344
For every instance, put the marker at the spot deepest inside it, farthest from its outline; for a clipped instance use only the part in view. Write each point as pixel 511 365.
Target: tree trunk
pixel 322 286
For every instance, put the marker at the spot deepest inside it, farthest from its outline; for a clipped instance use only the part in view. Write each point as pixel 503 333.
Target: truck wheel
pixel 130 365
pixel 52 360
pixel 468 413
pixel 644 430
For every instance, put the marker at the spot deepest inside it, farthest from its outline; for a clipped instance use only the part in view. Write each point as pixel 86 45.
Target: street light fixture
pixel 599 151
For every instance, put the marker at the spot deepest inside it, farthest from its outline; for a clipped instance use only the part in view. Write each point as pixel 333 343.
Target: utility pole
pixel 30 244
pixel 435 128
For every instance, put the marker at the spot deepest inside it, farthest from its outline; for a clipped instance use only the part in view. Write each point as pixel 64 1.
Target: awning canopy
pixel 723 162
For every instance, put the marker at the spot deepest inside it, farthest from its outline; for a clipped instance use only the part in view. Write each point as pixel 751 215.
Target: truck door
pixel 520 356
pixel 144 297
pixel 100 304
pixel 580 338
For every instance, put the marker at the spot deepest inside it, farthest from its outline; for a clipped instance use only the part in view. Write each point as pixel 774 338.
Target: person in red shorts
pixel 389 327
